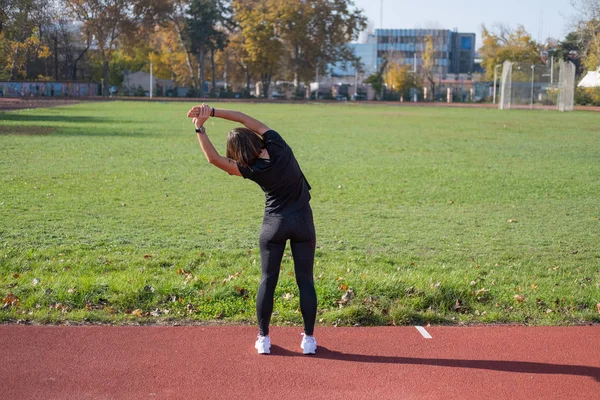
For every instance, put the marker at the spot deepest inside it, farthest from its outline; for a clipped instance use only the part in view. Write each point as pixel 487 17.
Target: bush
pixel 587 96
pixel 139 92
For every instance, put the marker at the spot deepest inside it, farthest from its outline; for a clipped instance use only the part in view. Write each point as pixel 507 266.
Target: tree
pixel 400 78
pixel 259 26
pixel 315 34
pixel 507 45
pixel 113 22
pixel 237 63
pixel 588 31
pixel 429 63
pixel 21 40
pixel 205 32
pixel 571 49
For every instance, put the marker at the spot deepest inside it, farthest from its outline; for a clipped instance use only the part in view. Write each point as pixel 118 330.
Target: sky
pixel 468 15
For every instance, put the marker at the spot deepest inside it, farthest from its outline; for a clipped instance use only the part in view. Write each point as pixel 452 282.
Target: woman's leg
pixel 272 246
pixel 303 244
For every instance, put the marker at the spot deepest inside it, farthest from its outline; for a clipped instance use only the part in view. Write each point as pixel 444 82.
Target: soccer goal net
pixel 543 86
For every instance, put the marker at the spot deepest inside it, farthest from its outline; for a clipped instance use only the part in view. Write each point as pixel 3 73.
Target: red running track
pixel 48 362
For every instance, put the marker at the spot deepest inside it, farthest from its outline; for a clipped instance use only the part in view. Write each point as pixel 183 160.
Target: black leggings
pixel 276 230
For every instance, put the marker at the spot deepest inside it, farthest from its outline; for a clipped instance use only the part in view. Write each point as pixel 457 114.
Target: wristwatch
pixel 201 130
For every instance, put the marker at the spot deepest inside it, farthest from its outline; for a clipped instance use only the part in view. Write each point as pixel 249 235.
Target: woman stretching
pixel 260 154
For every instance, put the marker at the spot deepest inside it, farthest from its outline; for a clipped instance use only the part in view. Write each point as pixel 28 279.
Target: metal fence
pixel 48 89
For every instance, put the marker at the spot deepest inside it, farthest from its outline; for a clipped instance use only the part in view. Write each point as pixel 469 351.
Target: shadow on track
pixel 524 367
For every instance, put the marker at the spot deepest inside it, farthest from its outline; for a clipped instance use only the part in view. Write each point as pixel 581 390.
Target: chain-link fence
pixel 532 86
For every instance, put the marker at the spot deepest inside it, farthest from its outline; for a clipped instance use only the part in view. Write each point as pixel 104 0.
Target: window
pixel 466 43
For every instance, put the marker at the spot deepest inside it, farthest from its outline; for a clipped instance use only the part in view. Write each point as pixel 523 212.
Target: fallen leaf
pixel 137 312
pixel 598 307
pixel 288 296
pixel 340 279
pixel 456 305
pixel 481 291
pixel 343 287
pixel 146 256
pixel 241 291
pixel 347 296
pixel 10 300
pixel 16 276
pixel 155 313
pixel 363 276
pixel 533 286
pixel 513 221
pixel 473 283
pixel 519 298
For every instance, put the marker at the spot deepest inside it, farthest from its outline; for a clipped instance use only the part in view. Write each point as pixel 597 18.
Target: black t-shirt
pixel 280 177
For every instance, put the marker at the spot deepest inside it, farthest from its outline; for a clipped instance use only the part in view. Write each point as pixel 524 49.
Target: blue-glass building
pixel 454 51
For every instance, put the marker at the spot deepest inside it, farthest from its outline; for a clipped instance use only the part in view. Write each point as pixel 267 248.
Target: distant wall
pixel 48 89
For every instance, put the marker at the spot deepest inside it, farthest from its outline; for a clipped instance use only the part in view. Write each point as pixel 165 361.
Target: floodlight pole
pixel 495 80
pixel 317 81
pixel 150 78
pixel 532 81
pixel 552 71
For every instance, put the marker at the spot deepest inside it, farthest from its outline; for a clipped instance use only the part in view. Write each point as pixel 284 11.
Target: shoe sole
pixel 264 352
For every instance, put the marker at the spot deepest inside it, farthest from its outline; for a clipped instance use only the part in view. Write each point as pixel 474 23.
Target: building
pixel 454 51
pixel 591 80
pixel 142 79
pixel 367 52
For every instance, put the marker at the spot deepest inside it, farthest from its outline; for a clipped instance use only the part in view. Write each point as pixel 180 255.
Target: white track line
pixel 423 332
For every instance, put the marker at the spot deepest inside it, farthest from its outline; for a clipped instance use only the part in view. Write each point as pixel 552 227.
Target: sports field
pixel 110 213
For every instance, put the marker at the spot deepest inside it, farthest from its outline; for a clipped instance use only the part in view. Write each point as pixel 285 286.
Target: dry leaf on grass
pixel 10 300
pixel 519 298
pixel 137 312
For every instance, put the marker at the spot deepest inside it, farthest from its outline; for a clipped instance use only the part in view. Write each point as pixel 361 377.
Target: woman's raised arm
pixel 235 116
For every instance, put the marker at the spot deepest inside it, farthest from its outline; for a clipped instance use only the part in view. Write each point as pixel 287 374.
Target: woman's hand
pixel 200 114
pixel 203 111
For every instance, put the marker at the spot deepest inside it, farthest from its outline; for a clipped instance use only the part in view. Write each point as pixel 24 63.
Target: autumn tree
pixel 400 78
pixel 237 63
pixel 507 44
pixel 588 31
pixel 429 63
pixel 205 20
pixel 260 29
pixel 21 41
pixel 112 22
pixel 315 33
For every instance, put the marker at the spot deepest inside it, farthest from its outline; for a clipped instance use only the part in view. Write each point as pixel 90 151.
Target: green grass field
pixel 110 213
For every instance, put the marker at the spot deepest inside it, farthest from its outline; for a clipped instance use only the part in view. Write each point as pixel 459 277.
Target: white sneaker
pixel 309 344
pixel 263 344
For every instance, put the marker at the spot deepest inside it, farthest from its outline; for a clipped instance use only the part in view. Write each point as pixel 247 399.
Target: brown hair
pixel 244 145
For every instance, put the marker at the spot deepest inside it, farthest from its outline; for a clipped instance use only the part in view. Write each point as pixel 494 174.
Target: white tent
pixel 591 80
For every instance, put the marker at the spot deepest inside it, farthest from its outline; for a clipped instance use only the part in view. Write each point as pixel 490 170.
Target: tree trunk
pixel 56 57
pixel 105 70
pixel 213 78
pixel 188 59
pixel 201 71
